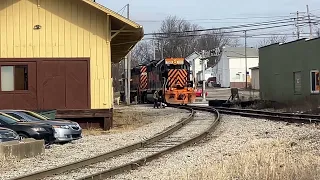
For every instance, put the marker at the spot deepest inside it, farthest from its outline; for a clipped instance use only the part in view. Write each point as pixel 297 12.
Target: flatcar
pixel 170 77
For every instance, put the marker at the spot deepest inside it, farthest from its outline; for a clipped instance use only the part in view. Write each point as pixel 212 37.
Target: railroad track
pixel 289 117
pixel 188 131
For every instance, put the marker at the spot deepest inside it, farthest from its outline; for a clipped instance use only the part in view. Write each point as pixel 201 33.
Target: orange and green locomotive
pixel 170 77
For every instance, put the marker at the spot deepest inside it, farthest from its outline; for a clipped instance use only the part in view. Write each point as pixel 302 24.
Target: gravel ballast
pixel 90 146
pixel 233 135
pixel 202 121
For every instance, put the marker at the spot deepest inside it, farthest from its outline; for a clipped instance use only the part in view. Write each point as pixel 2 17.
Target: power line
pixel 215 29
pixel 283 21
pixel 219 19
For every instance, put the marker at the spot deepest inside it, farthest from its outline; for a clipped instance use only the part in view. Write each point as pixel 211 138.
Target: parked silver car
pixel 65 131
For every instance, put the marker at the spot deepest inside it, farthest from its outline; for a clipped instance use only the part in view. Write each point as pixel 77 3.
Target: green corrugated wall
pixel 277 63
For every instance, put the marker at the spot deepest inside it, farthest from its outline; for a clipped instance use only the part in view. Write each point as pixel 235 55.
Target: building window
pixel 14 78
pixel 297 82
pixel 314 77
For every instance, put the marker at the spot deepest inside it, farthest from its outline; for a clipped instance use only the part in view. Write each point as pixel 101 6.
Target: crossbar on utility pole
pixel 245 55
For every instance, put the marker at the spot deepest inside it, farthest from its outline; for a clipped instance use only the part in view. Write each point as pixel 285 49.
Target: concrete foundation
pixel 19 150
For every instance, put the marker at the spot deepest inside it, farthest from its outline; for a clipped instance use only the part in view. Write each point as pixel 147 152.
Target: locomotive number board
pixel 175 61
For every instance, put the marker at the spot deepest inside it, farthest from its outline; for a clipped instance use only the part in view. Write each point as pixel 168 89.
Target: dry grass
pixel 123 121
pixel 266 160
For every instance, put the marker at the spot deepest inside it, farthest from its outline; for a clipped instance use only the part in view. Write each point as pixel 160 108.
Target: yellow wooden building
pixel 57 54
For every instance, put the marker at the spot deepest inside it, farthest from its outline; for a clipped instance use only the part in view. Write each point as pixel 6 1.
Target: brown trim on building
pixel 88 118
pixel 39 77
pixel 39 59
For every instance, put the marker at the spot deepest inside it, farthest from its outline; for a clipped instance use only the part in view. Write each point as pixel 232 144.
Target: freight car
pixel 170 77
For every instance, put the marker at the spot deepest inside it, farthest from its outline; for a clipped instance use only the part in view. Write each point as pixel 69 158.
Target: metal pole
pixel 310 26
pixel 298 30
pixel 154 50
pixel 162 49
pixel 125 78
pixel 128 66
pixel 194 73
pixel 245 55
pixel 203 77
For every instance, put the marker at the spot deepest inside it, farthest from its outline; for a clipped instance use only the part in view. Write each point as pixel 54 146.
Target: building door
pixel 77 85
pixel 18 88
pixel 64 84
pixel 53 84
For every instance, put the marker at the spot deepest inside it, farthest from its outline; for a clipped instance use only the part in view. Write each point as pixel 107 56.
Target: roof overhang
pixel 125 34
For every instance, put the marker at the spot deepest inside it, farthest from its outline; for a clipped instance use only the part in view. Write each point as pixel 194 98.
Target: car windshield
pixel 7 119
pixel 31 116
pixel 35 115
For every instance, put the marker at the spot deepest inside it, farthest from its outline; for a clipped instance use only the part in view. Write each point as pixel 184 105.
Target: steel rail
pixel 290 117
pixel 102 157
pixel 135 164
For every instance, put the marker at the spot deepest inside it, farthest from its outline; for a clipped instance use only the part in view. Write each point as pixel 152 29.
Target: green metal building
pixel 289 72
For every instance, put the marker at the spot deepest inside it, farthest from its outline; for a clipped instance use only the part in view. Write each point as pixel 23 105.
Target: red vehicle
pixel 199 93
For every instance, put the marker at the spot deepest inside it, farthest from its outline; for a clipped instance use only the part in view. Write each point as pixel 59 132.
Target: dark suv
pixel 33 130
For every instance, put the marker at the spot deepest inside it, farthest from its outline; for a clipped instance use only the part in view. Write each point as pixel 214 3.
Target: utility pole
pixel 297 25
pixel 162 41
pixel 128 64
pixel 310 26
pixel 154 50
pixel 194 73
pixel 245 56
pixel 203 76
pixel 125 61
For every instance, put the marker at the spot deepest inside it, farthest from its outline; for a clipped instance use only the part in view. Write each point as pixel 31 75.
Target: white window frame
pixel 316 91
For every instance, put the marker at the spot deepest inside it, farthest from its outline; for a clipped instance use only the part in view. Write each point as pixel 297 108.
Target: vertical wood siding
pixel 69 28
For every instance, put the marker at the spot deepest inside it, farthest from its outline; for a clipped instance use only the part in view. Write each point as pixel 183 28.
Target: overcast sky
pixel 149 13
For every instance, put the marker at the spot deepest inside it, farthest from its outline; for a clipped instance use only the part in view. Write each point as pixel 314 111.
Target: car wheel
pixel 23 136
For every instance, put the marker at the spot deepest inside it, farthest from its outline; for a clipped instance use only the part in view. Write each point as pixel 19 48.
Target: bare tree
pixel 213 39
pixel 142 52
pixel 272 40
pixel 179 38
pixel 172 44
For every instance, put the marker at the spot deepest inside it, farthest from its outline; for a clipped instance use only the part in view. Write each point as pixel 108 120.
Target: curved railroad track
pixel 278 116
pixel 133 156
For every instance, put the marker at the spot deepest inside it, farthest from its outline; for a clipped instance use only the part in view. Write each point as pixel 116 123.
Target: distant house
pixel 195 63
pixel 229 69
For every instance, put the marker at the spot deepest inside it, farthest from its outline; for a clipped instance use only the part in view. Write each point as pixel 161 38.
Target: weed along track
pixel 187 131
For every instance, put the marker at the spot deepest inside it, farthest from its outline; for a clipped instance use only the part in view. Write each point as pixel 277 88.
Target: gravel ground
pixel 201 122
pixel 232 135
pixel 90 146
